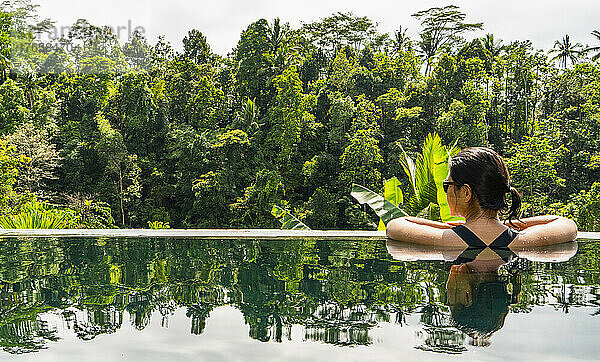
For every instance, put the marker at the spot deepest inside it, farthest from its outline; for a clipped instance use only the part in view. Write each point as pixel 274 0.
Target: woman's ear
pixel 468 193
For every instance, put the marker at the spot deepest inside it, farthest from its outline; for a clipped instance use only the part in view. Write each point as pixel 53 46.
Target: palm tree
pixel 491 45
pixel 567 51
pixel 248 117
pixel 401 41
pixel 428 48
pixel 277 35
pixel 596 48
pixel 30 81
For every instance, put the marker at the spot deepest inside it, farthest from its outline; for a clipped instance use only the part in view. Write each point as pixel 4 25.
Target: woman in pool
pixel 476 189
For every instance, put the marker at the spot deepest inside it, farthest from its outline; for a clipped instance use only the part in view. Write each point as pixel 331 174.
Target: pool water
pixel 70 299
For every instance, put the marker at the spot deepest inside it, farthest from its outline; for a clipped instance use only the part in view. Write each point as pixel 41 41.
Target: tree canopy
pixel 291 117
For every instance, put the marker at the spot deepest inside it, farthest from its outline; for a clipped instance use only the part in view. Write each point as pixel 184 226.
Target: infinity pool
pixel 73 299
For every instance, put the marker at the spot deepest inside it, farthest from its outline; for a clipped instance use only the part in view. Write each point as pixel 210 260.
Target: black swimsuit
pixel 476 246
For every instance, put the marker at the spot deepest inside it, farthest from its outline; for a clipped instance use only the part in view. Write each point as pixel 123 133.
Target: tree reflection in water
pixel 337 291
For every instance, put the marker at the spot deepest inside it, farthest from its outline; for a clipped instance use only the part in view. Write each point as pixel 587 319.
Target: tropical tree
pixel 253 56
pixel 247 119
pixel 254 208
pixel 228 163
pixel 137 52
pixel 284 51
pixel 196 48
pixel 10 163
pixel 567 51
pixel 427 49
pixel 339 30
pixel 491 45
pixel 277 34
pixel 595 48
pixel 583 208
pixel 121 167
pixel 533 171
pixel 41 157
pixel 442 28
pixel 13 106
pixel 361 160
pixel 401 41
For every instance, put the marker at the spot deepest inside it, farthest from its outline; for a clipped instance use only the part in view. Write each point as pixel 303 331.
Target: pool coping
pixel 218 234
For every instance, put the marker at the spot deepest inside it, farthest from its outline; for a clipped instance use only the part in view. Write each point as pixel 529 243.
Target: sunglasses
pixel 447 184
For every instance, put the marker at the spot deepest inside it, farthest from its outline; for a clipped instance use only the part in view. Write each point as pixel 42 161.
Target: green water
pixel 159 299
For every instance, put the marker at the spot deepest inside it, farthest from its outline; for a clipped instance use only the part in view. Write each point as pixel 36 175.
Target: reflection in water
pixel 479 297
pixel 482 286
pixel 337 291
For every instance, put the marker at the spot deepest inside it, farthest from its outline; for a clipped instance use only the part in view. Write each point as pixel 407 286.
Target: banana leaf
pixel 440 172
pixel 287 220
pixel 426 175
pixel 382 207
pixel 392 193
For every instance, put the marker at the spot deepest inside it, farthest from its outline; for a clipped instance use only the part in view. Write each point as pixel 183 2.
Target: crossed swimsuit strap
pixel 476 246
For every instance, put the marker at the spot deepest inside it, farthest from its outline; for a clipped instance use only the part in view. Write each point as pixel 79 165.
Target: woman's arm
pixel 523 224
pixel 420 221
pixel 420 231
pixel 546 230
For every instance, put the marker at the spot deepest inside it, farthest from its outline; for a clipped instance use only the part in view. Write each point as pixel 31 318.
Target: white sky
pixel 222 21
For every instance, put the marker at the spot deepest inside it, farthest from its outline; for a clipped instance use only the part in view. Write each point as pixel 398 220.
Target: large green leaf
pixel 288 221
pixel 392 193
pixel 425 176
pixel 440 172
pixel 382 207
pixel 422 189
pixel 411 171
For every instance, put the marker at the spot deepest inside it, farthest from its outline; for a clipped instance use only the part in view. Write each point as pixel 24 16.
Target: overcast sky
pixel 222 21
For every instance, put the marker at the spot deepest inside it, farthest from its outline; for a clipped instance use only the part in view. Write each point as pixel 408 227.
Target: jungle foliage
pixel 291 117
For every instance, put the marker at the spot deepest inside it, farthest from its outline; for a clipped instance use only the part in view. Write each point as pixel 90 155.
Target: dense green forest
pixel 102 133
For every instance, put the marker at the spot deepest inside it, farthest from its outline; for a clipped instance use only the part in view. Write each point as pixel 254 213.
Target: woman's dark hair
pixel 486 174
pixel 490 302
pixel 487 312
